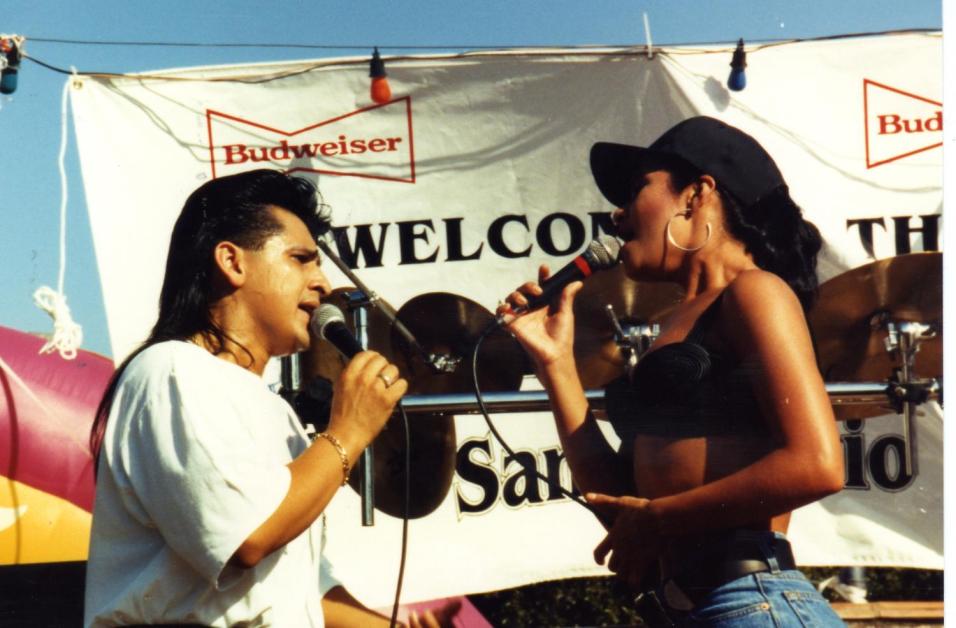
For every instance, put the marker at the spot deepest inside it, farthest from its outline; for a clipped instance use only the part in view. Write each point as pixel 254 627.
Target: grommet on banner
pixel 77 82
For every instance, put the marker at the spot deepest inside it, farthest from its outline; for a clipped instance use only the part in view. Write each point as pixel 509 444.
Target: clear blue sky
pixel 30 119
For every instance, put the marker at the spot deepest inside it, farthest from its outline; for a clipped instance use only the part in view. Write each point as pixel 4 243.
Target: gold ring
pixel 385 379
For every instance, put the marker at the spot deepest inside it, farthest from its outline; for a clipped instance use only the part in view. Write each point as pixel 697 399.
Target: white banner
pixel 476 173
pixel 856 127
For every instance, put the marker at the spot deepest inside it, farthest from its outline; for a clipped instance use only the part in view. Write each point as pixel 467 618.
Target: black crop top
pixel 686 389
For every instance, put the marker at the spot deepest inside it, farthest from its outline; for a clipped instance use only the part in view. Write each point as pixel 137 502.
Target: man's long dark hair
pixel 230 209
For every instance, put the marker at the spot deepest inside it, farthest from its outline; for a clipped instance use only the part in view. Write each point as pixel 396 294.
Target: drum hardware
pixel 442 325
pixel 904 339
pixel 633 340
pixel 840 393
pixel 359 302
pixel 597 350
pixel 381 478
pixel 884 317
pixel 448 325
pixel 860 317
pixel 439 363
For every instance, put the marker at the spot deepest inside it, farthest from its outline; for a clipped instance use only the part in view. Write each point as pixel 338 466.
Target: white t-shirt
pixel 193 461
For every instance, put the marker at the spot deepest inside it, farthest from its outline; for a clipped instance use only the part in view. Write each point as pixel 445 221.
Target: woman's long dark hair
pixel 772 229
pixel 233 209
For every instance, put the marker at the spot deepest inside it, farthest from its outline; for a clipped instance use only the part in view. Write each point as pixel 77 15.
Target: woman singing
pixel 725 423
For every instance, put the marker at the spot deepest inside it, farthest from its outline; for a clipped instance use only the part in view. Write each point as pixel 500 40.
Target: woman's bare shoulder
pixel 759 290
pixel 759 306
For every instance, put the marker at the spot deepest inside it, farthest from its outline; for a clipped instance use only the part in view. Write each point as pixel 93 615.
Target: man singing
pixel 209 493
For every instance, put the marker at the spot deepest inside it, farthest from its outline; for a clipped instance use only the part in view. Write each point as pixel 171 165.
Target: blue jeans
pixel 776 600
pixel 772 599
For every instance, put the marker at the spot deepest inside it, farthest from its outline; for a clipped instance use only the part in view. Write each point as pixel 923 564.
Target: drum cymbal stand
pixel 358 303
pixel 906 390
pixel 633 340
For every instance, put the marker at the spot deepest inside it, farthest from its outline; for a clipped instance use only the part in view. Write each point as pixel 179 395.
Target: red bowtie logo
pixel 898 123
pixel 374 142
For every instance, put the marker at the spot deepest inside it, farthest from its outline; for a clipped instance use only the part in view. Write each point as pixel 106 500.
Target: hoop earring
pixel 670 237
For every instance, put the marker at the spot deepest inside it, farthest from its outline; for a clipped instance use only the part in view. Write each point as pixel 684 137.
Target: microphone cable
pixel 491 426
pixel 405 514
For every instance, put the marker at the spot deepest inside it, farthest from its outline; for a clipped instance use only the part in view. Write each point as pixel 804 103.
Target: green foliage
pixel 575 602
pixel 607 602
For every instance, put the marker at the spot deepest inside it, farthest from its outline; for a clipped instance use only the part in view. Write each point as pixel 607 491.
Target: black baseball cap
pixel 736 161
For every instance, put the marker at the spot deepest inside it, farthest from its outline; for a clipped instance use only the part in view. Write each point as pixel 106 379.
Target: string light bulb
pixel 380 90
pixel 737 80
pixel 9 63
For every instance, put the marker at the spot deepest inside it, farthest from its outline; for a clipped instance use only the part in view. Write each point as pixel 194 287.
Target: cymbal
pixel 597 355
pixel 433 441
pixel 431 464
pixel 850 316
pixel 444 324
pixel 448 324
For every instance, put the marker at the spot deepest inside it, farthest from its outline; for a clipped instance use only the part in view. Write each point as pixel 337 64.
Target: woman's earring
pixel 670 237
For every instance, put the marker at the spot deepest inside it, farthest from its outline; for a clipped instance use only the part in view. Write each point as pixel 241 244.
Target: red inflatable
pixel 47 405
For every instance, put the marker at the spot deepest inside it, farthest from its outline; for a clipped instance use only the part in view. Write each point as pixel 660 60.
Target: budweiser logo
pixel 899 124
pixel 373 142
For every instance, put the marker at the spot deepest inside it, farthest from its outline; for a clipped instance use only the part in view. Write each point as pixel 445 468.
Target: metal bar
pixel 366 479
pixel 843 393
pixel 290 373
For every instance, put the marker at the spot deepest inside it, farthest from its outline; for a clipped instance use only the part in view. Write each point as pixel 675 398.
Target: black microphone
pixel 328 323
pixel 602 253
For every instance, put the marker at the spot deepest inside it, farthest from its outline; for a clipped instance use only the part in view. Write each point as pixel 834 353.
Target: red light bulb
pixel 380 90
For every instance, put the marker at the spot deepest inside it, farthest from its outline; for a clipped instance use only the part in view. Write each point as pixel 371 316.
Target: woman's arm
pixel 548 337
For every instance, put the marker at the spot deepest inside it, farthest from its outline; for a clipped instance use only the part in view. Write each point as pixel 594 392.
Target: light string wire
pixel 467 52
pixel 356 46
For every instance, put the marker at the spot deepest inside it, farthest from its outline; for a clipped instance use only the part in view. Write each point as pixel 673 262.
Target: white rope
pixel 67 335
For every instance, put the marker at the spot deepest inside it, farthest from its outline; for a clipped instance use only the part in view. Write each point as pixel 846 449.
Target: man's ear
pixel 231 262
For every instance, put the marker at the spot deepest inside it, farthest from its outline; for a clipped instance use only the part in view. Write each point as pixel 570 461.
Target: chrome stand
pixel 908 391
pixel 358 303
pixel 632 340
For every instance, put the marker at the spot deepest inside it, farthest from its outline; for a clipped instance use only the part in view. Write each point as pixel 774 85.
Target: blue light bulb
pixel 11 67
pixel 737 79
pixel 8 84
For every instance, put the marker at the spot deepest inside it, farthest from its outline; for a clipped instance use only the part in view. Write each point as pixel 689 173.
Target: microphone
pixel 602 253
pixel 328 323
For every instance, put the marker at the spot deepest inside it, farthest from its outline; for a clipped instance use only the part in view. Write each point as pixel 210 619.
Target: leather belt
pixel 742 557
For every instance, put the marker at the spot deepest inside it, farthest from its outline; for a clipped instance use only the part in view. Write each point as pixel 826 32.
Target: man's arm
pixel 361 405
